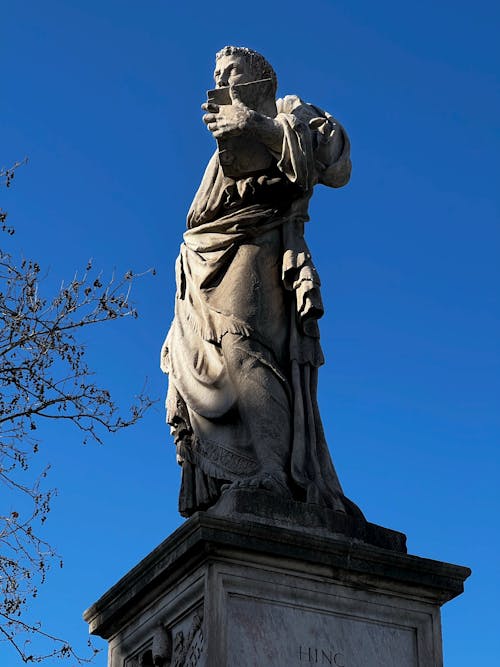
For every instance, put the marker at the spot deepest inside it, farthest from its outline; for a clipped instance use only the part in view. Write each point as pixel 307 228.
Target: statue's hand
pixel 327 149
pixel 229 120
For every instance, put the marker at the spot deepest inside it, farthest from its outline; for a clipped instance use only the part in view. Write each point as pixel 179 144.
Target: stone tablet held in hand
pixel 242 155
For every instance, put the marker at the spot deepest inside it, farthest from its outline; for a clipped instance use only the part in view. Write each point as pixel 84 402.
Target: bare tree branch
pixel 44 375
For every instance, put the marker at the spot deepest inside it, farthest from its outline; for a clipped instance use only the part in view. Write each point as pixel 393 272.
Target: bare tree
pixel 44 375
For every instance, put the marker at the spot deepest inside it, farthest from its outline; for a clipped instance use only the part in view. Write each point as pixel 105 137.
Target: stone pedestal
pixel 246 585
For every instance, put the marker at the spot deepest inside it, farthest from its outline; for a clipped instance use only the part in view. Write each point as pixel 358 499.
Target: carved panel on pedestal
pixel 188 648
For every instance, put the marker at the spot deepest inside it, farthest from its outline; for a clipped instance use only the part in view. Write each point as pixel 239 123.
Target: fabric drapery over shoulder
pixel 245 270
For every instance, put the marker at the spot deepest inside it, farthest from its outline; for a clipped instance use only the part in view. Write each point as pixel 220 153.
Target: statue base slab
pixel 228 589
pixel 265 507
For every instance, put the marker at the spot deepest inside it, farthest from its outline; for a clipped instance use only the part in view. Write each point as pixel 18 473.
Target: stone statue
pixel 243 350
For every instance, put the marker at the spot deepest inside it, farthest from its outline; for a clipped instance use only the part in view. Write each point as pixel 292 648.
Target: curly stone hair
pixel 262 68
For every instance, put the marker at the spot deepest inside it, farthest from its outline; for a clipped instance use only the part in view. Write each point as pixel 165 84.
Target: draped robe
pixel 245 269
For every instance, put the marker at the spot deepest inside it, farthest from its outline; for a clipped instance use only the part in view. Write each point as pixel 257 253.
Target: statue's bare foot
pixel 270 481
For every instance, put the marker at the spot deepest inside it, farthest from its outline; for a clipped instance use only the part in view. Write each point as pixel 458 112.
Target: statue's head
pixel 237 64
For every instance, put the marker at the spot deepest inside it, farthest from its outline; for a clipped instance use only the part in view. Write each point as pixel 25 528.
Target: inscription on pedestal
pixel 259 633
pixel 321 656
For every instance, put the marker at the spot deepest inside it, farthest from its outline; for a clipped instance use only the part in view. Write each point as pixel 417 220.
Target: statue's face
pixel 231 70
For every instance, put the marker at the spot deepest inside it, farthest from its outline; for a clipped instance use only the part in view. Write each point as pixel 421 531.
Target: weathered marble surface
pixel 224 593
pixel 243 351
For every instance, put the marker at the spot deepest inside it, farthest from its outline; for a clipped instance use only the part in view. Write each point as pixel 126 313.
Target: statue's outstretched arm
pixel 328 140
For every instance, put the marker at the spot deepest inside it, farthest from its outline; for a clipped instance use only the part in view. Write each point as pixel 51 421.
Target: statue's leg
pixel 264 409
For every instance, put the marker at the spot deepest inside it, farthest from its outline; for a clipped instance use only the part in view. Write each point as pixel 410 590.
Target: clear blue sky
pixel 103 96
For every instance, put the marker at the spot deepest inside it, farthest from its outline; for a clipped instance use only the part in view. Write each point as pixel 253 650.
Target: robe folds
pixel 245 271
